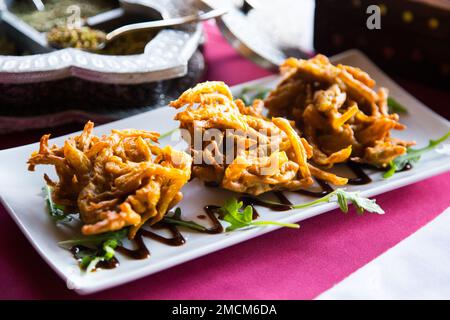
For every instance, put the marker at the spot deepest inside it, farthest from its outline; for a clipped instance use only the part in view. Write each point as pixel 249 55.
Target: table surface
pixel 326 250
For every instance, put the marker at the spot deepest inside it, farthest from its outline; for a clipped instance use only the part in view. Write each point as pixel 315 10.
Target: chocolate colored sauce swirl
pixel 361 176
pixel 212 211
pixel 326 189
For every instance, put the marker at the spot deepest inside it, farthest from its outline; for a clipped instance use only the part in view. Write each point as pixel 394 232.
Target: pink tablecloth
pixel 292 264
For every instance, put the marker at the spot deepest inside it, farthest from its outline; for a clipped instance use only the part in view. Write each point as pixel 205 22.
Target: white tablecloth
pixel 416 268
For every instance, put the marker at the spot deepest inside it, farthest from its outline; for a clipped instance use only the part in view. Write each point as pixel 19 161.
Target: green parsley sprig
pixel 412 156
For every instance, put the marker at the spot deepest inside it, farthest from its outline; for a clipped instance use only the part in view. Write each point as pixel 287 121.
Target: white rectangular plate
pixel 21 194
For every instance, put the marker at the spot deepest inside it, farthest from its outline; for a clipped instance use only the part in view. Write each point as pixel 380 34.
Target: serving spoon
pixel 105 38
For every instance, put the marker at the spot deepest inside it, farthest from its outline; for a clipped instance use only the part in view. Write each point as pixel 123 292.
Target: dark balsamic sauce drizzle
pixel 176 240
pixel 282 198
pixel 141 251
pixel 75 250
pixel 106 264
pixel 361 176
pixel 211 211
pixel 252 202
pixel 326 189
pixel 407 167
pixel 211 184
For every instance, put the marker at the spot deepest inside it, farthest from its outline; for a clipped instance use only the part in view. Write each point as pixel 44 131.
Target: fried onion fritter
pixel 238 148
pixel 117 180
pixel 338 111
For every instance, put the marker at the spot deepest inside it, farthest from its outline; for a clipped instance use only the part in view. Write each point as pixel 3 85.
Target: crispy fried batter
pixel 257 156
pixel 338 111
pixel 122 179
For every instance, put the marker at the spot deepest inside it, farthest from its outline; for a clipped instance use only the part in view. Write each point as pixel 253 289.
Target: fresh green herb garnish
pixel 238 217
pixel 97 239
pixel 176 220
pixel 250 93
pixel 395 107
pixel 56 211
pixel 103 250
pixel 90 257
pixel 412 156
pixel 167 134
pixel 104 243
pixel 343 198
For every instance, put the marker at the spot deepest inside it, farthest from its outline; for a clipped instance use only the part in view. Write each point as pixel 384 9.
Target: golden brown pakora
pixel 236 147
pixel 338 111
pixel 117 180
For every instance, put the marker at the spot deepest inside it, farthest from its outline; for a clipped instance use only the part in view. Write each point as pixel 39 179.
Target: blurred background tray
pixel 42 86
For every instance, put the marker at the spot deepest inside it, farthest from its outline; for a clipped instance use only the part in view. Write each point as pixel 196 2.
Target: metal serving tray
pixel 165 56
pixel 47 87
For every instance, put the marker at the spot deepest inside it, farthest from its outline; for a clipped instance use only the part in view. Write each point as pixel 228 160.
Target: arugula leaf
pixel 97 239
pixel 232 214
pixel 239 218
pixel 395 107
pixel 250 93
pixel 391 171
pixel 90 263
pixel 108 248
pixel 412 156
pixel 56 211
pixel 177 213
pixel 342 201
pixel 361 203
pixel 343 198
pixel 89 257
pixel 85 256
pixel 167 134
pixel 176 220
pixel 104 244
pixel 103 251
